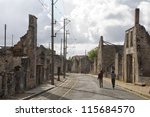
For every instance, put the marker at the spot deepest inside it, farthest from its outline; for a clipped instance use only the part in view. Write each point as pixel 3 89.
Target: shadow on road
pixel 50 96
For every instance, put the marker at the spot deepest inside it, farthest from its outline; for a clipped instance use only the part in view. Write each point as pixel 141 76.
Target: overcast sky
pixel 89 20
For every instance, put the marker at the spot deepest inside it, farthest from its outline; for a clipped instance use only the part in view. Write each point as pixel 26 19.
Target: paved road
pixel 85 87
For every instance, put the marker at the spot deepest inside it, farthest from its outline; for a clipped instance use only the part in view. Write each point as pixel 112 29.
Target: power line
pixel 59 11
pixel 73 35
pixel 44 6
pixel 55 1
pixel 63 6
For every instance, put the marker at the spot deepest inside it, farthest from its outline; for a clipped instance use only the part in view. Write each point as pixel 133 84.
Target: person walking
pixel 113 77
pixel 100 78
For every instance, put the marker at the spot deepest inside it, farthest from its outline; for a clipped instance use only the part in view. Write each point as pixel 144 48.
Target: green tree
pixel 92 54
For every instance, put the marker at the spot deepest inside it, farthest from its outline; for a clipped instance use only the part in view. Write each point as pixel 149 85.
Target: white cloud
pixel 145 11
pixel 93 16
pixel 47 27
pixel 89 20
pixel 109 18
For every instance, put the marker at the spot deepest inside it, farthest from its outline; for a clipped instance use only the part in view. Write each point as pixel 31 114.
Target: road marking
pixel 68 90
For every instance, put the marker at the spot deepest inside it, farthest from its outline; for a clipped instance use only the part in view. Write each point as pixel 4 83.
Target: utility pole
pixel 61 48
pixel 67 33
pixel 85 52
pixel 61 55
pixel 6 65
pixel 64 48
pixel 64 52
pixel 49 45
pixel 12 40
pixel 5 28
pixel 52 44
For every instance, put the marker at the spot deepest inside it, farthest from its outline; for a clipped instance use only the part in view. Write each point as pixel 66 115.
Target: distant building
pixel 80 64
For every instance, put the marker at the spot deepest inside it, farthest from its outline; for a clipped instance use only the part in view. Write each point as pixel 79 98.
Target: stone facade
pixel 136 54
pixel 58 63
pixel 94 66
pixel 80 64
pixel 18 63
pixel 118 65
pixel 25 65
pixel 7 75
pixel 106 57
pixel 42 65
pixel 26 48
pixel 131 61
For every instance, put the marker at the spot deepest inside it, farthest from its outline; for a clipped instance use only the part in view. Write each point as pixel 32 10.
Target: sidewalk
pixel 38 90
pixel 140 90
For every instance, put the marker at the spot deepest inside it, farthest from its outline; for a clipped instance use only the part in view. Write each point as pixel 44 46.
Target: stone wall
pixel 7 72
pixel 118 66
pixel 109 58
pixel 27 47
pixel 143 47
pixel 57 61
pixel 80 64
pixel 68 65
pixel 95 66
pixel 136 61
pixel 106 57
pixel 99 56
pixel 41 65
pixel 75 65
pixel 25 65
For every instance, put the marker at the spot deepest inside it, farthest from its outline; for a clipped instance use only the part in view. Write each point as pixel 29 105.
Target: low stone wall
pixel 7 84
pixel 11 84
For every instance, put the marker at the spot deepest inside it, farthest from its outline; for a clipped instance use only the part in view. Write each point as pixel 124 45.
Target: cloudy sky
pixel 89 20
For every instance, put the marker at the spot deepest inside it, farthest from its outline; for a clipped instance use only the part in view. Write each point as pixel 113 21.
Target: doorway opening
pixel 129 68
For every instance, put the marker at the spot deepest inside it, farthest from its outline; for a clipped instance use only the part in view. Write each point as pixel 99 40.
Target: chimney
pixel 137 16
pixel 101 38
pixel 101 41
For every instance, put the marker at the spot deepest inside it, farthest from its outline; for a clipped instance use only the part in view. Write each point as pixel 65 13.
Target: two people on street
pixel 100 78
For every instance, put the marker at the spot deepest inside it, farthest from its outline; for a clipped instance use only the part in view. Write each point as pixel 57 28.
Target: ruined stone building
pixel 7 80
pixel 94 69
pixel 25 65
pixel 42 64
pixel 106 57
pixel 80 64
pixel 136 60
pixel 18 63
pixel 119 64
pixel 131 62
pixel 26 48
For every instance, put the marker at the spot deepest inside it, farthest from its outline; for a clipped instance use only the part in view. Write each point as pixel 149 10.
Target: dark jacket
pixel 100 75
